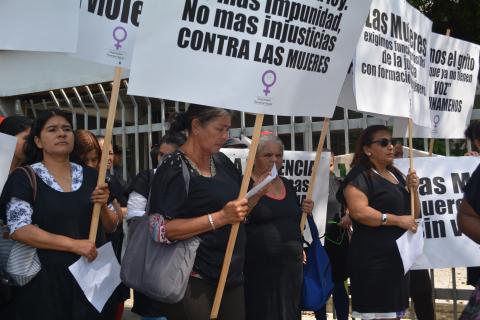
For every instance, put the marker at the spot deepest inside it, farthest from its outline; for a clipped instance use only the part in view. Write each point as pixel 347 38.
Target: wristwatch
pixel 384 219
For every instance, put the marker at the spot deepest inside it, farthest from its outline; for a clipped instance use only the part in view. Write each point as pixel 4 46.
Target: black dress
pixel 54 294
pixel 205 195
pixel 378 283
pixel 273 262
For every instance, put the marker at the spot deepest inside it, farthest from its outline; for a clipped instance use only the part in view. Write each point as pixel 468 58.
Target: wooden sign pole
pixel 233 233
pixel 410 155
pixel 316 164
pixel 106 147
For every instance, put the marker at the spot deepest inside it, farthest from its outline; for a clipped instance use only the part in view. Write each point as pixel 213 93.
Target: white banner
pixel 39 25
pixel 441 183
pixel 273 57
pixel 7 150
pixel 391 62
pixel 453 80
pixel 297 167
pixel 108 30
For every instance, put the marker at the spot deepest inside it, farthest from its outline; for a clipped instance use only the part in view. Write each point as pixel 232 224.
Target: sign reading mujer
pixel 442 180
pixel 297 167
pixel 392 60
pixel 453 80
pixel 107 31
pixel 275 57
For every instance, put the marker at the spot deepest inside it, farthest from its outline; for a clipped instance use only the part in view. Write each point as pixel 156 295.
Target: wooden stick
pixel 430 147
pixel 106 147
pixel 316 163
pixel 410 155
pixel 234 231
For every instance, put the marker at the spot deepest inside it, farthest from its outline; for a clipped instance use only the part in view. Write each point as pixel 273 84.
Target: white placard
pixel 391 62
pixel 7 150
pixel 39 25
pixel 99 278
pixel 272 57
pixel 441 182
pixel 297 167
pixel 410 246
pixel 107 31
pixel 453 80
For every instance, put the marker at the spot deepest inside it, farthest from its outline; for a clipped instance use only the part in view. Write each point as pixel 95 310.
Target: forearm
pixel 41 239
pixel 373 218
pixel 469 221
pixel 181 229
pixel 110 219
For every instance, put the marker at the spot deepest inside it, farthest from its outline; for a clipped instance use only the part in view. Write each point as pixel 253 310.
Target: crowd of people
pixel 367 212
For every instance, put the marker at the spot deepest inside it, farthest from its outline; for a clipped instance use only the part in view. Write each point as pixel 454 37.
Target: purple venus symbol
pixel 268 79
pixel 119 40
pixel 436 120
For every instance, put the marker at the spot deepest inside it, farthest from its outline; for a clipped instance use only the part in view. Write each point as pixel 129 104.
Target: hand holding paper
pixel 272 175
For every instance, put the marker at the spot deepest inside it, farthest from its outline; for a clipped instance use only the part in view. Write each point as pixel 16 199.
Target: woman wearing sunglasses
pixel 378 199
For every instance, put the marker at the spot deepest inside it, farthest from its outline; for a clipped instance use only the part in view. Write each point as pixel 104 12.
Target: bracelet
pixel 210 219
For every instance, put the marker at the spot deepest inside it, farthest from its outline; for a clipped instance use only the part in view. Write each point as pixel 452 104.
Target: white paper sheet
pixel 99 278
pixel 7 149
pixel 410 246
pixel 272 175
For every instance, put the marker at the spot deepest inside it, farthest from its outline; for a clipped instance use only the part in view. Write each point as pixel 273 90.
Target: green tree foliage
pixel 462 17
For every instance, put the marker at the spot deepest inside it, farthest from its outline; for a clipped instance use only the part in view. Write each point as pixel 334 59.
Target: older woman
pixel 378 200
pixel 274 255
pixel 208 209
pixel 56 221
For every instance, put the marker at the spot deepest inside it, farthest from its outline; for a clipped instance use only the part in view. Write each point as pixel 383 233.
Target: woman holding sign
pixel 274 254
pixel 206 207
pixel 378 199
pixel 55 218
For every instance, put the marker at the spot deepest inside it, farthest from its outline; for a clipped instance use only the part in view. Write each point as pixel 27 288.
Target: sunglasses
pixel 384 142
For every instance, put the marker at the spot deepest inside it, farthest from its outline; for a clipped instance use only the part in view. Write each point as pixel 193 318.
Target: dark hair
pixel 13 125
pixel 173 138
pixel 32 152
pixel 366 139
pixel 204 114
pixel 473 131
pixel 85 142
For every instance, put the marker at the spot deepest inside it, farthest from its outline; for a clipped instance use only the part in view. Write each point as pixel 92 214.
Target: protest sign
pixel 271 57
pixel 441 182
pixel 297 167
pixel 7 150
pixel 107 31
pixel 32 25
pixel 453 80
pixel 391 62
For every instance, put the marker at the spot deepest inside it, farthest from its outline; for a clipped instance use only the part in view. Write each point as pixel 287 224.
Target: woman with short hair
pixel 377 196
pixel 274 253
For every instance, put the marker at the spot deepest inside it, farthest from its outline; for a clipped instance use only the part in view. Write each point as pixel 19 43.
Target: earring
pixel 369 154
